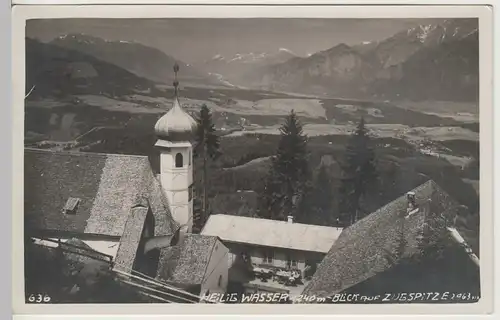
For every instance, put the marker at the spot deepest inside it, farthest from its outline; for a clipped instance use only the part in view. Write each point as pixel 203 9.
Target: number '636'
pixel 38 298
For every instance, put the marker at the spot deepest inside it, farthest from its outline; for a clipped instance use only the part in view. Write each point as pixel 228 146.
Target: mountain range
pixel 144 61
pixel 53 70
pixel 233 67
pixel 428 62
pixel 435 61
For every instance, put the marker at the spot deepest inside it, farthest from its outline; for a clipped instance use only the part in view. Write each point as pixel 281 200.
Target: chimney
pixel 412 205
pixel 71 206
pixel 290 219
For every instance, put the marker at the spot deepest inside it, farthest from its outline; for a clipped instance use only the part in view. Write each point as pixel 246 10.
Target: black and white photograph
pixel 252 161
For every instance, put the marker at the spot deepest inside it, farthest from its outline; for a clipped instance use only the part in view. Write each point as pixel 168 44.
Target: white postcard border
pixel 22 13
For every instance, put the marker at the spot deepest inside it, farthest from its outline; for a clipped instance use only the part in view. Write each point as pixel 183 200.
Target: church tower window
pixel 178 160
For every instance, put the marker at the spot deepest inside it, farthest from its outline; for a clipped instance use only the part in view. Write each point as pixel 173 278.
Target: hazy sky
pixel 194 40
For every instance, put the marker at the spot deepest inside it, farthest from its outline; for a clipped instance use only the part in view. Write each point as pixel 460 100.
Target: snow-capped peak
pixel 218 57
pixel 468 34
pixel 79 38
pixel 424 31
pixel 366 42
pixel 253 57
pixel 248 57
pixel 286 50
pixel 236 57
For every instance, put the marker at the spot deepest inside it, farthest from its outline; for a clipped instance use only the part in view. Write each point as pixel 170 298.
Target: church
pixel 114 205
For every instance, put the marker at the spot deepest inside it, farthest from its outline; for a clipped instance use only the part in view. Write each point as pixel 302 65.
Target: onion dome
pixel 176 124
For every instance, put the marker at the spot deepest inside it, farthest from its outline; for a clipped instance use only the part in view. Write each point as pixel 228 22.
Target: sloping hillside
pixel 328 72
pixel 449 71
pixel 56 71
pixel 137 58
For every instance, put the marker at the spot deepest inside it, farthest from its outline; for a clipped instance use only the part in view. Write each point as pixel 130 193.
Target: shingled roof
pixel 107 186
pixel 361 250
pixel 187 262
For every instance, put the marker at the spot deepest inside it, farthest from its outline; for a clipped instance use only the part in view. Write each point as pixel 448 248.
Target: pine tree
pixel 207 148
pixel 286 182
pixel 321 198
pixel 359 174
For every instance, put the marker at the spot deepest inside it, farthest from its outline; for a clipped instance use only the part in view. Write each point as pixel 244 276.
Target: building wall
pixel 146 263
pixel 176 178
pixel 280 255
pixel 216 276
pixel 177 183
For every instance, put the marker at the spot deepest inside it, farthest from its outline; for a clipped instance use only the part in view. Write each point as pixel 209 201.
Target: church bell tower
pixel 175 132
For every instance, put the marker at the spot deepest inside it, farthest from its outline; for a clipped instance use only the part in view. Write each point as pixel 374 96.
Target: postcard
pixel 252 159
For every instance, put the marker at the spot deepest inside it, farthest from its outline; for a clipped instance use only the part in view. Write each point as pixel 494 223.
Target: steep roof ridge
pixel 129 241
pixel 346 243
pixel 143 196
pixel 210 255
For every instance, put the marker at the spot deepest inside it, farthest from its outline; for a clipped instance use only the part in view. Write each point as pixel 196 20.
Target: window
pixel 245 257
pixel 220 281
pixel 268 257
pixel 189 159
pixel 292 263
pixel 178 160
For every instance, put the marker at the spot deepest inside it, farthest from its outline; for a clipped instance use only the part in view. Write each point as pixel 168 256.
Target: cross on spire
pixel 176 82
